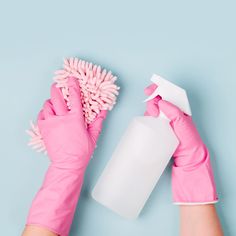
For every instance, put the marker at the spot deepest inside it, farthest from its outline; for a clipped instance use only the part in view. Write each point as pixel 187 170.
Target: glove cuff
pixel 54 205
pixel 194 185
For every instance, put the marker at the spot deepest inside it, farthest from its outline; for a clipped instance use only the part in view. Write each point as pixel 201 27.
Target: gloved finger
pixel 171 111
pixel 96 126
pixel 152 108
pixel 58 101
pixel 48 110
pixel 74 96
pixel 40 116
pixel 150 89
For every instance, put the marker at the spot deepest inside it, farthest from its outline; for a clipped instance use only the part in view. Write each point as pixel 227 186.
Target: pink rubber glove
pixel 69 145
pixel 192 176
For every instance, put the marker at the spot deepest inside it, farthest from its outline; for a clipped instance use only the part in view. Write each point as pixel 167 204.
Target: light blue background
pixel 192 43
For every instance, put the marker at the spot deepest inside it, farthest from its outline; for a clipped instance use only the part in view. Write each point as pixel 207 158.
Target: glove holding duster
pixel 70 144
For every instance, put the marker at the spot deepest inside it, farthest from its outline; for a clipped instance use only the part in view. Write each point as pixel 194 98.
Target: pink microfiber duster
pixel 98 92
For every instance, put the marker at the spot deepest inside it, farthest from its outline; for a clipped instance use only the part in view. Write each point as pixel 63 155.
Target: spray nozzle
pixel 171 93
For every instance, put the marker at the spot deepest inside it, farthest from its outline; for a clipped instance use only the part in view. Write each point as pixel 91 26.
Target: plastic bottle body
pixel 136 165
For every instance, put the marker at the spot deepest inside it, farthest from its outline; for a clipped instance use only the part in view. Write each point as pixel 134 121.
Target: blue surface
pixel 191 43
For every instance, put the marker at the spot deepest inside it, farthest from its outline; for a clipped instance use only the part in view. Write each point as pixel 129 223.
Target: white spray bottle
pixel 141 156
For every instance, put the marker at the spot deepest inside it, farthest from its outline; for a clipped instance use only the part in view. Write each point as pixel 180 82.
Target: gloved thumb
pixel 75 97
pixel 58 101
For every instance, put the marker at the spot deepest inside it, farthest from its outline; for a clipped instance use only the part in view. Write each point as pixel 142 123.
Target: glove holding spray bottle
pixel 192 175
